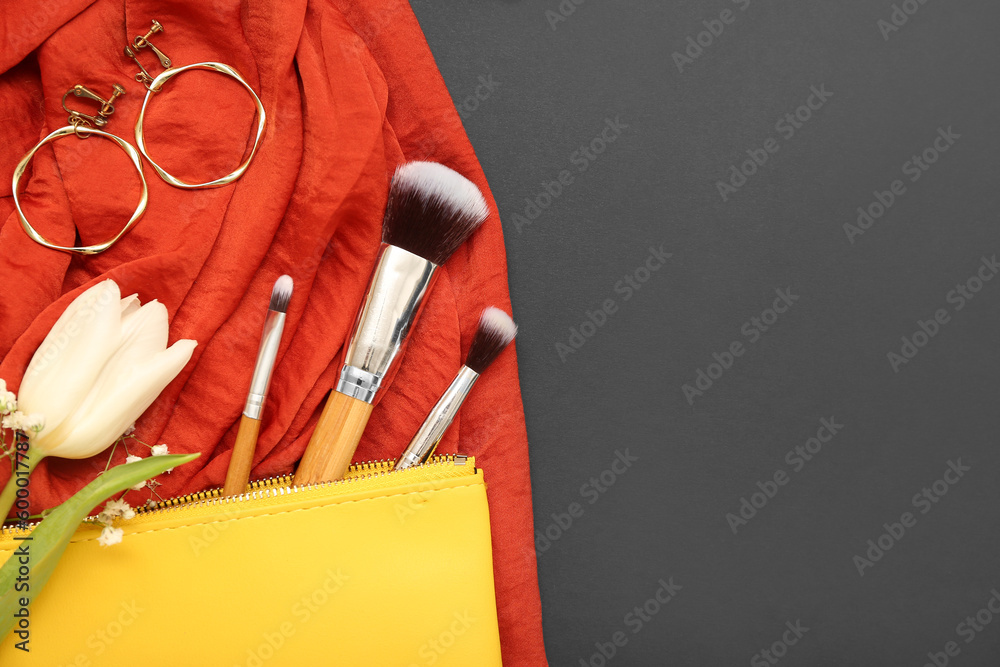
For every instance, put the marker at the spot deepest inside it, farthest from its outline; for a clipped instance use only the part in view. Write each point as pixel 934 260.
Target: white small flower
pixel 116 508
pixel 150 503
pixel 13 421
pixel 130 430
pixel 3 386
pixel 161 450
pixel 132 459
pixel 128 514
pixel 110 536
pixel 8 401
pixel 33 423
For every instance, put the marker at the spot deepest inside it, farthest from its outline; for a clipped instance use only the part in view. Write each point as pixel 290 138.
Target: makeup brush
pixel 246 438
pixel 431 211
pixel 495 332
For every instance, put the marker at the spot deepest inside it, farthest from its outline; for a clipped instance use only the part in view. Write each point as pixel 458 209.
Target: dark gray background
pixel 826 357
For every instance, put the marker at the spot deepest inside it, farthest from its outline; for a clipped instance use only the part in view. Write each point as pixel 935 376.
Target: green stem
pixel 25 464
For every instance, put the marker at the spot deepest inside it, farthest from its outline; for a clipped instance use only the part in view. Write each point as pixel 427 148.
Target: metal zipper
pixel 269 487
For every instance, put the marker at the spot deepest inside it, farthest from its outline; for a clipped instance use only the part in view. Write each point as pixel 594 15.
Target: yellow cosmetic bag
pixel 383 568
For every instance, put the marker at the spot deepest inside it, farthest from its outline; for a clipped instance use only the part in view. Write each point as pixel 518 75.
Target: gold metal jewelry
pixel 155 84
pixel 83 126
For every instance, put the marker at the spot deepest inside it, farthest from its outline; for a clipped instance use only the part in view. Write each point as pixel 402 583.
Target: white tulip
pixel 104 362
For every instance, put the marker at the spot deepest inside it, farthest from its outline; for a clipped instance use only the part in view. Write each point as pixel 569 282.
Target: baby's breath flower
pixel 161 450
pixel 110 536
pixel 33 422
pixel 132 459
pixel 130 430
pixel 115 508
pixel 13 421
pixel 8 401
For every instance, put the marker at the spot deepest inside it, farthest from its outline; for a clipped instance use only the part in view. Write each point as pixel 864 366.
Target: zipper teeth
pixel 269 487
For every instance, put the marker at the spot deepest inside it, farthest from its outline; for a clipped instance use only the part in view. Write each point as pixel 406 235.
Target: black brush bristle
pixel 431 210
pixel 281 294
pixel 495 332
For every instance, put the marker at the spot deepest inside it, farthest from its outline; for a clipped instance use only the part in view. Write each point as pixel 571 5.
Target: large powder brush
pixel 431 211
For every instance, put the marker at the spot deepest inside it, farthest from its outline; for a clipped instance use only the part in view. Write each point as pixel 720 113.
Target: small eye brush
pixel 246 438
pixel 495 332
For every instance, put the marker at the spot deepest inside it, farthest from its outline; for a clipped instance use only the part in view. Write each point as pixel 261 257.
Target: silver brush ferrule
pixel 392 304
pixel 441 415
pixel 274 324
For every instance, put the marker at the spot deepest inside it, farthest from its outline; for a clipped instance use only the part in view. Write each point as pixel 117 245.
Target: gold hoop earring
pixel 155 84
pixel 83 126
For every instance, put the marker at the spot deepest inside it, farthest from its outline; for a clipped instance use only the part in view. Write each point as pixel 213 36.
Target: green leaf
pixel 51 537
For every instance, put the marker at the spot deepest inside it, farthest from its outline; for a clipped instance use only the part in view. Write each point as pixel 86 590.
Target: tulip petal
pixel 72 355
pixel 130 304
pixel 144 332
pixel 117 400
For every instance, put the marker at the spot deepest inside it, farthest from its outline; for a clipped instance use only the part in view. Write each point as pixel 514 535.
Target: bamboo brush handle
pixel 332 445
pixel 239 465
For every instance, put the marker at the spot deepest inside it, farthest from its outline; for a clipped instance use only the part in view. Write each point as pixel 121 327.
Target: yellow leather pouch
pixel 382 568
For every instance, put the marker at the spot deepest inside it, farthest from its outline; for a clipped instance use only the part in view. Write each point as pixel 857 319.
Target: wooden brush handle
pixel 332 445
pixel 239 465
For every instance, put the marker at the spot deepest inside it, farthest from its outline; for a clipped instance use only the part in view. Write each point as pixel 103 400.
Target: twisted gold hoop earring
pixel 83 126
pixel 155 84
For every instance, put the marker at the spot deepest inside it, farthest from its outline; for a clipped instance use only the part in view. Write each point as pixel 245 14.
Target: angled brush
pixel 431 211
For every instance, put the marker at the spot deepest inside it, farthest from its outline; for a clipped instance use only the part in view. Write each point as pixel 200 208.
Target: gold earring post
pixel 143 42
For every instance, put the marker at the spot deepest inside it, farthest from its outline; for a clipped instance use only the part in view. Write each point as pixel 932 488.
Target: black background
pixel 552 91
